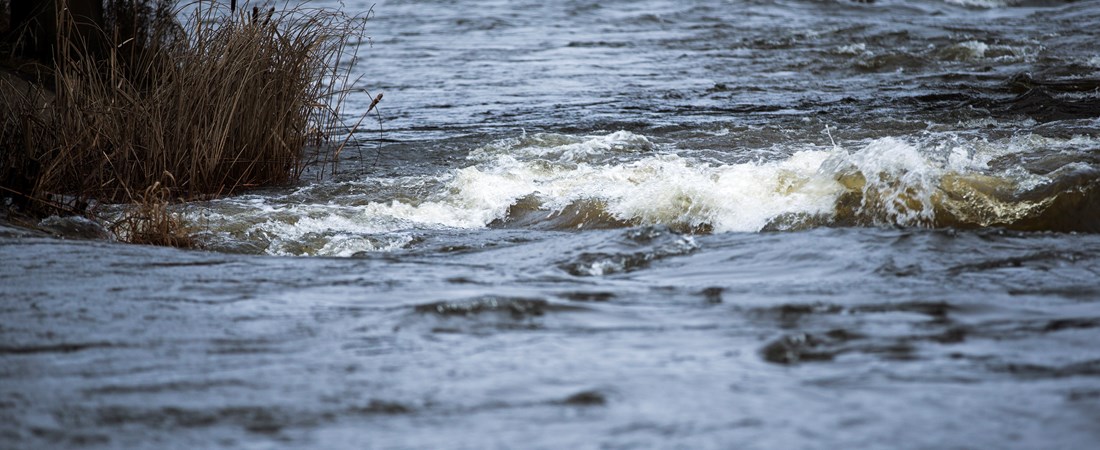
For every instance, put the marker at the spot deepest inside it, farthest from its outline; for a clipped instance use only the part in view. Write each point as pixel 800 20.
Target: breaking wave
pixel 622 179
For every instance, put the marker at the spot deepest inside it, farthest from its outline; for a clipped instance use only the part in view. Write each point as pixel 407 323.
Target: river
pixel 619 224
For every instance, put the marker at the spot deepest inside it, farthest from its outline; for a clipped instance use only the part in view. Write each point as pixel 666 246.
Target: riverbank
pixel 181 105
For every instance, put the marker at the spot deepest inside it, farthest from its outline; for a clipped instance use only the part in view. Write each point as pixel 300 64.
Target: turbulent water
pixel 622 224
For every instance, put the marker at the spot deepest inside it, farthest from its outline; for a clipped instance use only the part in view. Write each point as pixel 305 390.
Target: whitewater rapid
pixel 623 179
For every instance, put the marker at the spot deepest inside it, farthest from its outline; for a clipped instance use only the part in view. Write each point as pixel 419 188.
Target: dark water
pixel 744 224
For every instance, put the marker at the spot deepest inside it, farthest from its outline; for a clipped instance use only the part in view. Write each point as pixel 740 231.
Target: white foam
pixel 740 197
pixel 978 50
pixel 899 182
pixel 854 49
pixel 659 189
pixel 564 148
pixel 983 3
pixel 635 182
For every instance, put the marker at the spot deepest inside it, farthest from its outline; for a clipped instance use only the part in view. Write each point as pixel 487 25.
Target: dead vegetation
pixel 178 105
pixel 150 221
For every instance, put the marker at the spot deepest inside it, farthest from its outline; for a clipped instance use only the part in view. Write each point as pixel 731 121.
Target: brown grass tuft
pixel 220 101
pixel 150 221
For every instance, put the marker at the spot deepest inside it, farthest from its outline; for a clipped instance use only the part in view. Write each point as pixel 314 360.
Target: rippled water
pixel 758 224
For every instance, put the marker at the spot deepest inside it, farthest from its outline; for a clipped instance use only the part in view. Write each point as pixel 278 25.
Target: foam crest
pixel 659 189
pixel 983 3
pixel 623 179
pixel 978 50
pixel 251 224
pixel 565 148
pixel 681 192
pixel 472 198
pixel 897 181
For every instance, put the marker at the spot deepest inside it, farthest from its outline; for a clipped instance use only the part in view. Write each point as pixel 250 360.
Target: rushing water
pixel 623 224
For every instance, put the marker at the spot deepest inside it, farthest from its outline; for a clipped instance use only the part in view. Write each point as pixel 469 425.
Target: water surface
pixel 749 224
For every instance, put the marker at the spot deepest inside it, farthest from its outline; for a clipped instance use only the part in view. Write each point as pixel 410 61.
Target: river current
pixel 618 224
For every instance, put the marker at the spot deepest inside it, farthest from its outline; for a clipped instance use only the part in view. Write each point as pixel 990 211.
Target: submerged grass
pixel 150 221
pixel 171 109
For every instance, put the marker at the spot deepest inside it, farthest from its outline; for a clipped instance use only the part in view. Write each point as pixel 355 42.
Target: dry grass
pixel 192 109
pixel 150 221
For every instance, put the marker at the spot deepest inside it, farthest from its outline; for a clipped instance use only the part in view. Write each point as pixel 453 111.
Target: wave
pixel 991 4
pixel 623 179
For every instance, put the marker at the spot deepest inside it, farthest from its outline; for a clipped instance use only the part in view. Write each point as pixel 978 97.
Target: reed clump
pixel 175 109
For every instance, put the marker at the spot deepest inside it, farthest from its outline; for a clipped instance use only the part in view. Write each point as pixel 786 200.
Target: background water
pixel 757 224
